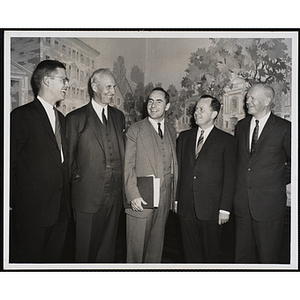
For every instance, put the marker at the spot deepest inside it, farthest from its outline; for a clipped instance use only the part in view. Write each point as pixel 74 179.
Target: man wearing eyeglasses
pixel 39 173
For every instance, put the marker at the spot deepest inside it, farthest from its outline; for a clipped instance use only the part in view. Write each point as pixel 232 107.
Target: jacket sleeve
pixel 229 175
pixel 130 177
pixel 18 139
pixel 73 131
pixel 287 149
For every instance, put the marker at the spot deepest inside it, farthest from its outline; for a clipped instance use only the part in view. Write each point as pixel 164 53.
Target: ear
pixel 46 80
pixel 94 87
pixel 167 106
pixel 268 101
pixel 214 114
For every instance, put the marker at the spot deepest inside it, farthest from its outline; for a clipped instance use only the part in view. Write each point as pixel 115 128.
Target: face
pixel 157 106
pixel 204 114
pixel 104 89
pixel 58 84
pixel 257 102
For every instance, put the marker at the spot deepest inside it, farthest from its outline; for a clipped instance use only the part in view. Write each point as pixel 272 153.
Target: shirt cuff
pixel 224 211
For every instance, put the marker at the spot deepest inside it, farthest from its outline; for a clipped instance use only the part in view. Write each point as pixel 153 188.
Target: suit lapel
pixel 113 117
pixel 247 134
pixel 146 138
pixel 44 119
pixel 95 124
pixel 63 137
pixel 192 143
pixel 209 139
pixel 172 139
pixel 267 128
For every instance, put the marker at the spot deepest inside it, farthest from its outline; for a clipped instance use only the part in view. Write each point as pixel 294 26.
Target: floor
pixel 173 252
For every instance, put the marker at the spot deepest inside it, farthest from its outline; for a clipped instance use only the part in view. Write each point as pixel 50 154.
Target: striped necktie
pixel 200 143
pixel 57 129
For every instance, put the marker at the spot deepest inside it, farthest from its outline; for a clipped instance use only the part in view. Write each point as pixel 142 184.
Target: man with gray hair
pixel 263 171
pixel 96 139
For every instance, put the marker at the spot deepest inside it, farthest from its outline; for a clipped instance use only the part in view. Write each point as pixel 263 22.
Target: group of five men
pixel 75 168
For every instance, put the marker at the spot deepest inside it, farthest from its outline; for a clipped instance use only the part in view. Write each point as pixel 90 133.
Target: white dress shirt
pixel 49 110
pixel 205 134
pixel 155 126
pixel 262 123
pixel 98 109
pixel 51 116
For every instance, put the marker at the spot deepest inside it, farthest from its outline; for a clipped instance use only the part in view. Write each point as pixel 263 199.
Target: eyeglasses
pixel 65 79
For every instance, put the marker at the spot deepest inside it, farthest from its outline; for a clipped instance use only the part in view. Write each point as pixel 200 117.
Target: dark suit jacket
pixel 209 180
pixel 38 178
pixel 87 156
pixel 262 176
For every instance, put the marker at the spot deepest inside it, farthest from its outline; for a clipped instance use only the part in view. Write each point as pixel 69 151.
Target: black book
pixel 146 188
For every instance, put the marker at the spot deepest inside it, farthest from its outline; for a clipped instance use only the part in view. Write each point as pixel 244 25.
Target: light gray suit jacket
pixel 142 160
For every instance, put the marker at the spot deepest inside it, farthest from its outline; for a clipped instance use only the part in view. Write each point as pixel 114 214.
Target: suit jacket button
pixel 195 177
pixel 249 169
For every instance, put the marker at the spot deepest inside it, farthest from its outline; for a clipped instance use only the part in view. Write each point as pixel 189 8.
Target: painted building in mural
pixel 80 60
pixel 233 107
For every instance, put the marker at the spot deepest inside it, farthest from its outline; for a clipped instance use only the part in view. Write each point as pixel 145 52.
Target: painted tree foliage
pixel 134 105
pixel 176 104
pixel 256 60
pixel 119 72
pixel 137 75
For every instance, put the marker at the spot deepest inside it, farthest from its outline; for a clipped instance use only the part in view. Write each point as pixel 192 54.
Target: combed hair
pixel 160 89
pixel 44 68
pixel 93 79
pixel 215 104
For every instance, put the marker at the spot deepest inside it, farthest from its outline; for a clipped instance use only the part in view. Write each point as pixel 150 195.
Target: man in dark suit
pixel 263 170
pixel 150 150
pixel 206 161
pixel 39 171
pixel 96 143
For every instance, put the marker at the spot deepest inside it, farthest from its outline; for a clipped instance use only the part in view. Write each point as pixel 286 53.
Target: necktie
pixel 200 143
pixel 57 129
pixel 104 120
pixel 159 131
pixel 254 136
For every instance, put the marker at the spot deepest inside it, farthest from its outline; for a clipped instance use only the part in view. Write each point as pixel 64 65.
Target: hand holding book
pixel 136 204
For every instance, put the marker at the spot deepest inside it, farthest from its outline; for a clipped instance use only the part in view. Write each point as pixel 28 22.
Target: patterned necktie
pixel 254 136
pixel 57 129
pixel 159 131
pixel 200 143
pixel 104 120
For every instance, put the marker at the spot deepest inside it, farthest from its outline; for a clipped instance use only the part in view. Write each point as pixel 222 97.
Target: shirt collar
pixel 154 123
pixel 98 108
pixel 263 120
pixel 206 131
pixel 46 104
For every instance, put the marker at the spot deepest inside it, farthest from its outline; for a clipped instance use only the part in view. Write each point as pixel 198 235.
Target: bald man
pixel 263 171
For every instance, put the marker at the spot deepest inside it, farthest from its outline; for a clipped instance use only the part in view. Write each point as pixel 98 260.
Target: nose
pixel 153 104
pixel 112 91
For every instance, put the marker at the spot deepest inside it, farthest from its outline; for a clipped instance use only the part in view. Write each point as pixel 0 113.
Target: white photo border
pixel 293 34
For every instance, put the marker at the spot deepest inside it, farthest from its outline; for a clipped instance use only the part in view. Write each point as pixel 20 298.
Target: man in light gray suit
pixel 150 150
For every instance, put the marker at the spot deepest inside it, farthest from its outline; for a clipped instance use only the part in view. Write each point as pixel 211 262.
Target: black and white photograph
pixel 150 150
